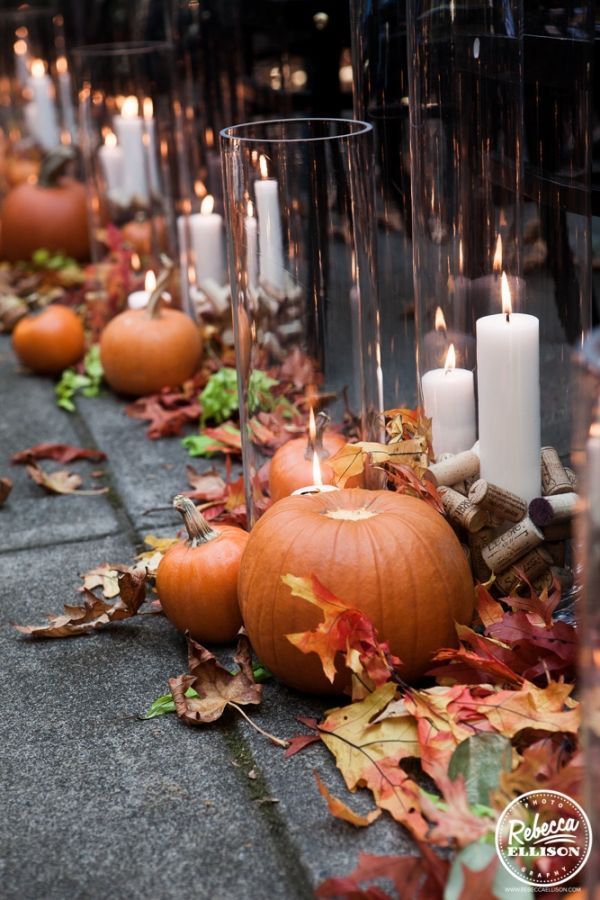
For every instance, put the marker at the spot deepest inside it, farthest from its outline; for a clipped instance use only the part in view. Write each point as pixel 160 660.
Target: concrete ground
pixel 98 803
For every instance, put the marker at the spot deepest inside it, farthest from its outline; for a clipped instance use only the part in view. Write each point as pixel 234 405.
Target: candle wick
pixel 508 317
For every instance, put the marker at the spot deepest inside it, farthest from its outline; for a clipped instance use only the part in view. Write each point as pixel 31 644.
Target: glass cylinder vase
pixel 37 104
pixel 134 152
pixel 299 212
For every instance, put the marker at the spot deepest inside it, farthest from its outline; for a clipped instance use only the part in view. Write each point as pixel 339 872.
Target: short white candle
pixel 111 161
pixel 206 235
pixel 43 119
pixel 449 401
pixel 270 236
pixel 139 299
pixel 508 380
pixel 251 231
pixel 130 132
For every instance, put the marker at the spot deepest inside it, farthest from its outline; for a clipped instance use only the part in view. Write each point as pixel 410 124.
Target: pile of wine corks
pixel 503 532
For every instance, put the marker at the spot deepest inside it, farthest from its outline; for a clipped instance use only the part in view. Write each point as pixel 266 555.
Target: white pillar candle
pixel 139 299
pixel 206 235
pixel 65 92
pixel 251 232
pixel 43 117
pixel 111 162
pixel 270 237
pixel 449 401
pixel 130 132
pixel 508 380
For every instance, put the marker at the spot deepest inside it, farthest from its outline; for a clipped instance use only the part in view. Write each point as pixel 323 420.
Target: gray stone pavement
pixel 98 803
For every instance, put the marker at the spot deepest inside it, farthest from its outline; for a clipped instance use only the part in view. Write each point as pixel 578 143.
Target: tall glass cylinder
pixel 299 211
pixel 134 153
pixel 37 103
pixel 586 458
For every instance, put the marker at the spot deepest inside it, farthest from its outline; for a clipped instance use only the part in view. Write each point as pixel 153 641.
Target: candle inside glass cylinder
pixel 508 383
pixel 139 299
pixel 41 114
pixel 270 236
pixel 130 131
pixel 318 487
pixel 206 237
pixel 449 401
pixel 111 161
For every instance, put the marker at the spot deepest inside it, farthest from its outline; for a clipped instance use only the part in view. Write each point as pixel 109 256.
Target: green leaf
pixel 201 445
pixel 481 759
pixel 40 257
pixel 219 399
pixel 71 382
pixel 259 391
pixel 477 857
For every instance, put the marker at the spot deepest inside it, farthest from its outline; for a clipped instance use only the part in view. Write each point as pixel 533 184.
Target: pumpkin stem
pixel 198 529
pixel 54 165
pixel 154 302
pixel 321 423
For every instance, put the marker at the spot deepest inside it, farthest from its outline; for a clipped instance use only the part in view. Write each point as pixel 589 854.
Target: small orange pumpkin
pixel 197 579
pixel 138 234
pixel 389 555
pixel 50 341
pixel 144 350
pixel 292 464
pixel 50 214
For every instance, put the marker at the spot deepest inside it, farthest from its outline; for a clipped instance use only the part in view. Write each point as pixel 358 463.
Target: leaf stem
pixel 275 740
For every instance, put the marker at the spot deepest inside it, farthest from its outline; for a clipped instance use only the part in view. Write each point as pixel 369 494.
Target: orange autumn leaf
pixel 341 810
pixel 347 463
pixel 488 609
pixel 545 709
pixel 454 823
pixel 343 630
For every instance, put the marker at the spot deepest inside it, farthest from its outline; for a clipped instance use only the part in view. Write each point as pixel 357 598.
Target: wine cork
pixel 534 564
pixel 461 512
pixel 510 546
pixel 572 477
pixel 500 503
pixel 558 551
pixel 477 541
pixel 555 479
pixel 457 468
pixel 558 531
pixel 543 583
pixel 460 487
pixel 554 508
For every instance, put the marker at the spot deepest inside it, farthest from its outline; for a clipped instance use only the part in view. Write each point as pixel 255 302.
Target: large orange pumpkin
pixel 197 579
pixel 50 341
pixel 144 350
pixel 390 555
pixel 50 214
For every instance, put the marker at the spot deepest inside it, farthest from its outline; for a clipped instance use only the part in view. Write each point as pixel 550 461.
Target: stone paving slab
pixel 28 415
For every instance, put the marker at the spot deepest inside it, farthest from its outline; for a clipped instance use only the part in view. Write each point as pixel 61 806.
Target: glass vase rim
pixel 227 135
pixel 120 48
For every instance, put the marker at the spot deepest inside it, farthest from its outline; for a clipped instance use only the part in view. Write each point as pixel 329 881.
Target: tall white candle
pixel 270 236
pixel 206 237
pixel 65 92
pixel 251 231
pixel 508 381
pixel 130 131
pixel 150 142
pixel 111 161
pixel 449 401
pixel 43 118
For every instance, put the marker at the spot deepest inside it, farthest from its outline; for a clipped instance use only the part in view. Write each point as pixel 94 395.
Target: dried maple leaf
pixel 62 482
pixel 340 810
pixel 416 877
pixel 343 630
pixel 62 453
pixel 538 607
pixel 5 489
pixel 94 613
pixel 166 418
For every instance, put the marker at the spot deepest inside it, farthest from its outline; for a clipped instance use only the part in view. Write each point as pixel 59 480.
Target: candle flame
pixel 316 462
pixel 450 364
pixel 38 68
pixel 250 209
pixel 110 139
pixel 207 205
pixel 20 47
pixel 135 261
pixel 440 321
pixel 130 107
pixel 506 298
pixel 147 108
pixel 209 137
pixel 149 281
pixel 62 65
pixel 22 32
pixel 497 264
pixel 262 163
pixel 199 189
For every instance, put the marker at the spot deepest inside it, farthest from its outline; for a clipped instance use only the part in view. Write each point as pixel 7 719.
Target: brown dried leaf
pixel 94 613
pixel 216 687
pixel 62 453
pixel 105 577
pixel 62 482
pixel 5 489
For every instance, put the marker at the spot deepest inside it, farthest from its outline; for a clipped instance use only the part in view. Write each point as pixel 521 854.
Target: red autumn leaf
pixel 454 823
pixel 62 453
pixel 464 666
pixel 300 742
pixel 539 607
pixel 416 877
pixel 166 419
pixel 406 481
pixel 343 630
pixel 543 709
pixel 341 810
pixel 206 485
pixel 488 609
pixel 539 651
pixel 548 763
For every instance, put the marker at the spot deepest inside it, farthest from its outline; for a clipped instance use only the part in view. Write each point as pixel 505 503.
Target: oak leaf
pixel 164 420
pixel 416 877
pixel 341 810
pixel 545 709
pixel 62 453
pixel 62 482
